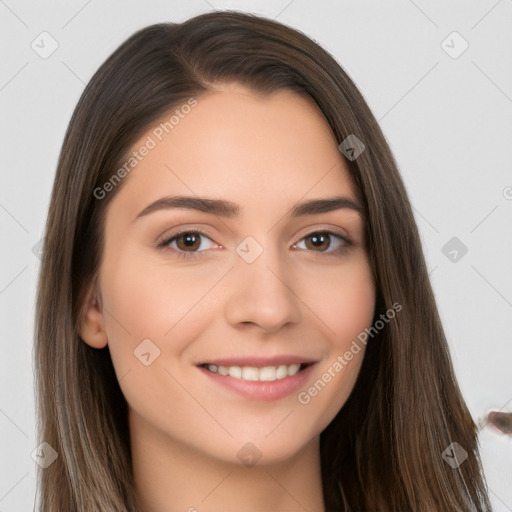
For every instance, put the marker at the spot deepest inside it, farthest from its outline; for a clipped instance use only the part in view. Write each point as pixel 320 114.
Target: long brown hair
pixel 383 451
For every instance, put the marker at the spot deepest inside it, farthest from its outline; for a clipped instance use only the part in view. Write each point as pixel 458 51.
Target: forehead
pixel 236 144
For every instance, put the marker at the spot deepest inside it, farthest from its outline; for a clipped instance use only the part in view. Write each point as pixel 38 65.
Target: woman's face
pixel 244 287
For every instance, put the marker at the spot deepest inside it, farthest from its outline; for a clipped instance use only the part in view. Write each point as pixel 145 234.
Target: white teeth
pixel 235 371
pixel 265 374
pixel 250 373
pixel 268 373
pixel 293 369
pixel 222 369
pixel 282 371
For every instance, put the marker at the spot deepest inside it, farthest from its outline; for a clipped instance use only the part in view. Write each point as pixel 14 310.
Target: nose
pixel 260 293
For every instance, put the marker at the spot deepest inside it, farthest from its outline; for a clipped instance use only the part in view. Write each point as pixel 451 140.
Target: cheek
pixel 346 309
pixel 149 299
pixel 344 301
pixel 151 318
pixel 352 308
pixel 144 300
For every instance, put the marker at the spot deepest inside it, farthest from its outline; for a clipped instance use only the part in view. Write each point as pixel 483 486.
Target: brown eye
pixel 187 243
pixel 320 241
pixel 191 240
pixel 325 243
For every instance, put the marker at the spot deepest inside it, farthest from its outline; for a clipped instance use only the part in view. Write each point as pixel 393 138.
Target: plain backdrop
pixel 438 77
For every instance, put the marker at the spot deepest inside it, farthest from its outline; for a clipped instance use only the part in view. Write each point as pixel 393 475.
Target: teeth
pixel 265 374
pixel 221 369
pixel 268 373
pixel 235 371
pixel 249 373
pixel 281 371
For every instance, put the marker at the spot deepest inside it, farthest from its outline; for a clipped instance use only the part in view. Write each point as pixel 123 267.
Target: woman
pixel 234 311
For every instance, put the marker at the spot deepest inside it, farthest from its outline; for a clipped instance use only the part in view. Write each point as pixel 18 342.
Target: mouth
pixel 259 378
pixel 267 373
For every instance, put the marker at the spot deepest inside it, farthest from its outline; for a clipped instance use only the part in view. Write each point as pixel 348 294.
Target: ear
pixel 92 328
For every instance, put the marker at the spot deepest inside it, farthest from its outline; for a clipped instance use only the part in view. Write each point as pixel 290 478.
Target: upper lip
pixel 258 361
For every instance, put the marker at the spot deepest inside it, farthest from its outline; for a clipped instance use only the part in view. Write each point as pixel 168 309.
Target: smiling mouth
pixel 254 373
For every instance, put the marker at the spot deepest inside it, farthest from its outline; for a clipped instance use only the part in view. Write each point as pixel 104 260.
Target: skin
pixel 266 154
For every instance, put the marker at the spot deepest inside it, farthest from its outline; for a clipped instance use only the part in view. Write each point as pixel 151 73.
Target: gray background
pixel 446 114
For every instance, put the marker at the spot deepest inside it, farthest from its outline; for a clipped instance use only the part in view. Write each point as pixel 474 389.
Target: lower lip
pixel 266 391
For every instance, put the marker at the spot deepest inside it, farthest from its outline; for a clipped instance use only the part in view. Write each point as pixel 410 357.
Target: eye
pixel 186 243
pixel 322 240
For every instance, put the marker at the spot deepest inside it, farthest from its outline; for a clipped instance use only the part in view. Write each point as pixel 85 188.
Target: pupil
pixel 318 240
pixel 189 240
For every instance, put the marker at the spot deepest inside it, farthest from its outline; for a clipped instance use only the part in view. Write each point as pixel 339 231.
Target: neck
pixel 172 477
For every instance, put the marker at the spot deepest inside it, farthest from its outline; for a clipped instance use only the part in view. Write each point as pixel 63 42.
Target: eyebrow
pixel 229 209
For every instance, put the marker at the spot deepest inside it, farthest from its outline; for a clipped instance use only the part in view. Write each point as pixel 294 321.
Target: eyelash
pixel 164 245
